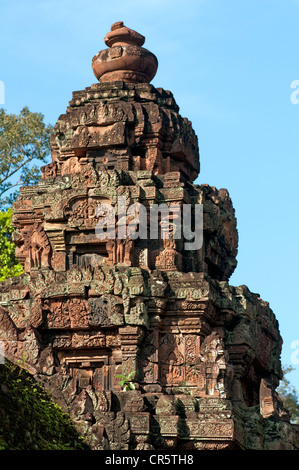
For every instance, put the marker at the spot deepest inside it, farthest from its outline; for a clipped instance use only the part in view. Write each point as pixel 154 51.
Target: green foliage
pixel 24 140
pixel 126 383
pixel 289 395
pixel 9 265
pixel 29 420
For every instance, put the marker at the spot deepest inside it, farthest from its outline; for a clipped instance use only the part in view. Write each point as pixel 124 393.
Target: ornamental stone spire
pixel 201 358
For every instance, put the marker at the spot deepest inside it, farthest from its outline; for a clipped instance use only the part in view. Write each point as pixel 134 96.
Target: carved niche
pixel 88 367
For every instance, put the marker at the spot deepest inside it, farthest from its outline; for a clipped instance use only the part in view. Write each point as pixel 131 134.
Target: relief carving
pixel 39 248
pixel 105 311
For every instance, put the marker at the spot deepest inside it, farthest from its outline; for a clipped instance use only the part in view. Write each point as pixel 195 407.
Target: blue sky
pixel 230 65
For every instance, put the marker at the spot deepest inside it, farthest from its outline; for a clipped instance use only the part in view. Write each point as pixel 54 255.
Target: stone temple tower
pixel 203 356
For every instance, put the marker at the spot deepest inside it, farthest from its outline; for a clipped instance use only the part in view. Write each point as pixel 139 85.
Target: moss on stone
pixel 29 420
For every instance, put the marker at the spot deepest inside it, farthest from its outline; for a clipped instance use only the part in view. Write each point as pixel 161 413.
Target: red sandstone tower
pixel 204 356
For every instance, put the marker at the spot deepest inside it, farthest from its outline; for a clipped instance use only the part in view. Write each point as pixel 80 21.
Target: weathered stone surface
pixel 205 355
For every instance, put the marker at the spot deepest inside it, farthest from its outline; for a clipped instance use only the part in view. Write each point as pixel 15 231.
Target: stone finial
pixel 125 59
pixel 120 35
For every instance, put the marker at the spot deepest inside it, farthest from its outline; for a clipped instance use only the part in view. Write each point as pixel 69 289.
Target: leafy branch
pixel 126 382
pixel 24 139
